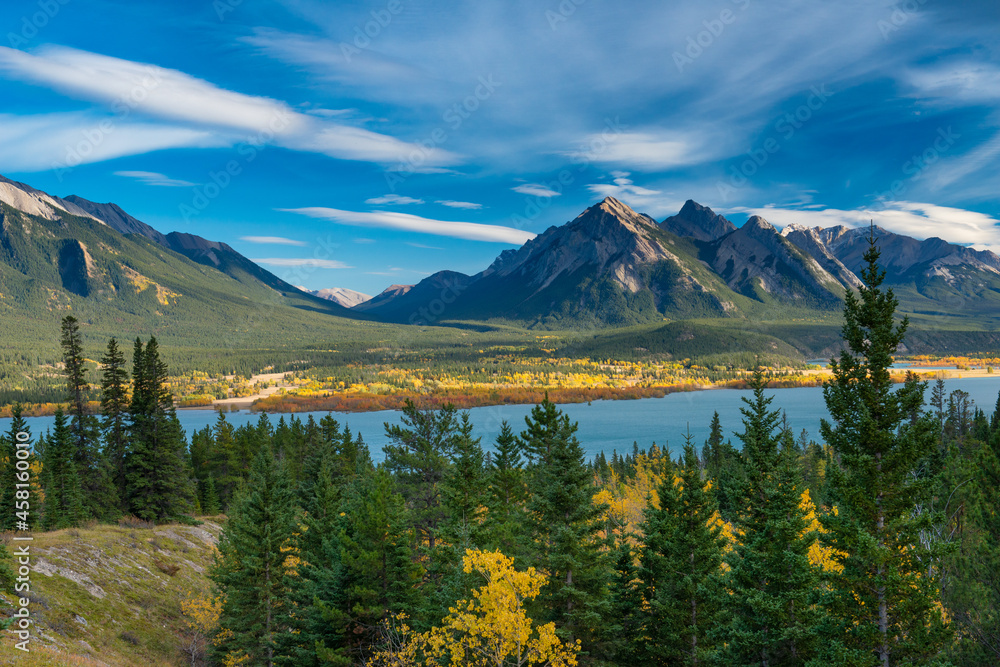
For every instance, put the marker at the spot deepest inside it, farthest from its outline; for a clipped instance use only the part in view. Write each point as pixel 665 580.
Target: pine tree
pixel 884 607
pixel 506 495
pixel 380 574
pixel 100 496
pixel 419 457
pixel 15 497
pixel 565 524
pixel 680 573
pixel 772 613
pixel 63 491
pixel 252 567
pixel 463 486
pixel 210 500
pixel 724 466
pixel 158 475
pixel 114 409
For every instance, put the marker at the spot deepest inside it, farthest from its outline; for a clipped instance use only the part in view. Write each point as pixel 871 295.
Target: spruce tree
pixel 63 491
pixel 100 496
pixel 506 495
pixel 13 496
pixel 884 607
pixel 565 525
pixel 419 457
pixel 772 616
pixel 252 569
pixel 114 410
pixel 159 480
pixel 380 574
pixel 680 573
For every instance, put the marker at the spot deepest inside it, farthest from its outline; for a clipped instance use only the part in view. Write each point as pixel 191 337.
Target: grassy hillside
pixel 111 595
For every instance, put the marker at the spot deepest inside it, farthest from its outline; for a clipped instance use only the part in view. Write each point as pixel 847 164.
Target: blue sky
pixel 369 143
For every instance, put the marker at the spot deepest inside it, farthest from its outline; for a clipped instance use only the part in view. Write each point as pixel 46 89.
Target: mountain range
pixel 614 266
pixel 608 267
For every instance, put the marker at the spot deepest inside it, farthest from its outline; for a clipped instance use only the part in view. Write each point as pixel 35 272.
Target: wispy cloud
pixel 304 261
pixel 45 141
pixel 459 204
pixel 155 178
pixel 412 223
pixel 917 219
pixel 393 200
pixel 644 151
pixel 621 187
pixel 274 240
pixel 422 246
pixel 535 190
pixel 124 85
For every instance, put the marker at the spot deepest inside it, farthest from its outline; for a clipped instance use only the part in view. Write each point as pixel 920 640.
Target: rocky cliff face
pixel 698 222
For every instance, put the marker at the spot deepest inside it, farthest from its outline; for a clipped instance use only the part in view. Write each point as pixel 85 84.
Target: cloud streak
pixel 304 261
pixel 124 86
pixel 155 178
pixel 272 240
pixel 470 231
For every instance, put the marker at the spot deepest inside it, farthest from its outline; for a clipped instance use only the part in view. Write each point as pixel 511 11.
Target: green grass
pixel 106 600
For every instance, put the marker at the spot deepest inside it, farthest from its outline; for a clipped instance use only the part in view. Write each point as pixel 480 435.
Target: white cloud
pixel 393 200
pixel 305 261
pixel 275 240
pixel 459 204
pixel 918 219
pixel 413 223
pixel 642 151
pixel 127 87
pixel 62 140
pixel 423 247
pixel 155 178
pixel 535 190
pixel 621 187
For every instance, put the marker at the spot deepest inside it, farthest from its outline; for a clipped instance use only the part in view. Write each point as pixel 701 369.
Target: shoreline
pixel 360 403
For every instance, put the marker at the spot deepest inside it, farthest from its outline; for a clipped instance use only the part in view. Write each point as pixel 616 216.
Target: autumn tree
pixel 491 629
pixel 885 608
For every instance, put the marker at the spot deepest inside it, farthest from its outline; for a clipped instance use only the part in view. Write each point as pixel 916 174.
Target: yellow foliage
pixel 492 629
pixel 818 554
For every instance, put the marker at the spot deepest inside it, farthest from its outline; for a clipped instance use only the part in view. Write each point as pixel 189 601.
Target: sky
pixel 363 144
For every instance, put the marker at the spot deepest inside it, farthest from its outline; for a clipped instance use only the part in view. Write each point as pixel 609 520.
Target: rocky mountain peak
pixel 757 223
pixel 699 222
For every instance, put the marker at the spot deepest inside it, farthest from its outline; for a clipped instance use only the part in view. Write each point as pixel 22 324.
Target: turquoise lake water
pixel 605 425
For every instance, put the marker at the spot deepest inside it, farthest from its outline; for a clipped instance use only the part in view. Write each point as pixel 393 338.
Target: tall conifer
pixel 884 606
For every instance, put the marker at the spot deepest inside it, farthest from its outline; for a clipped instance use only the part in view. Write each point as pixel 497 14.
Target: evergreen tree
pixel 63 491
pixel 100 496
pixel 884 607
pixel 210 499
pixel 15 496
pixel 565 525
pixel 463 486
pixel 681 559
pixel 252 566
pixel 506 495
pixel 772 613
pixel 114 409
pixel 158 474
pixel 380 574
pixel 419 457
pixel 724 466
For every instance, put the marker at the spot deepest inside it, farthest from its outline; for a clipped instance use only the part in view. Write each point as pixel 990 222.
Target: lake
pixel 605 425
